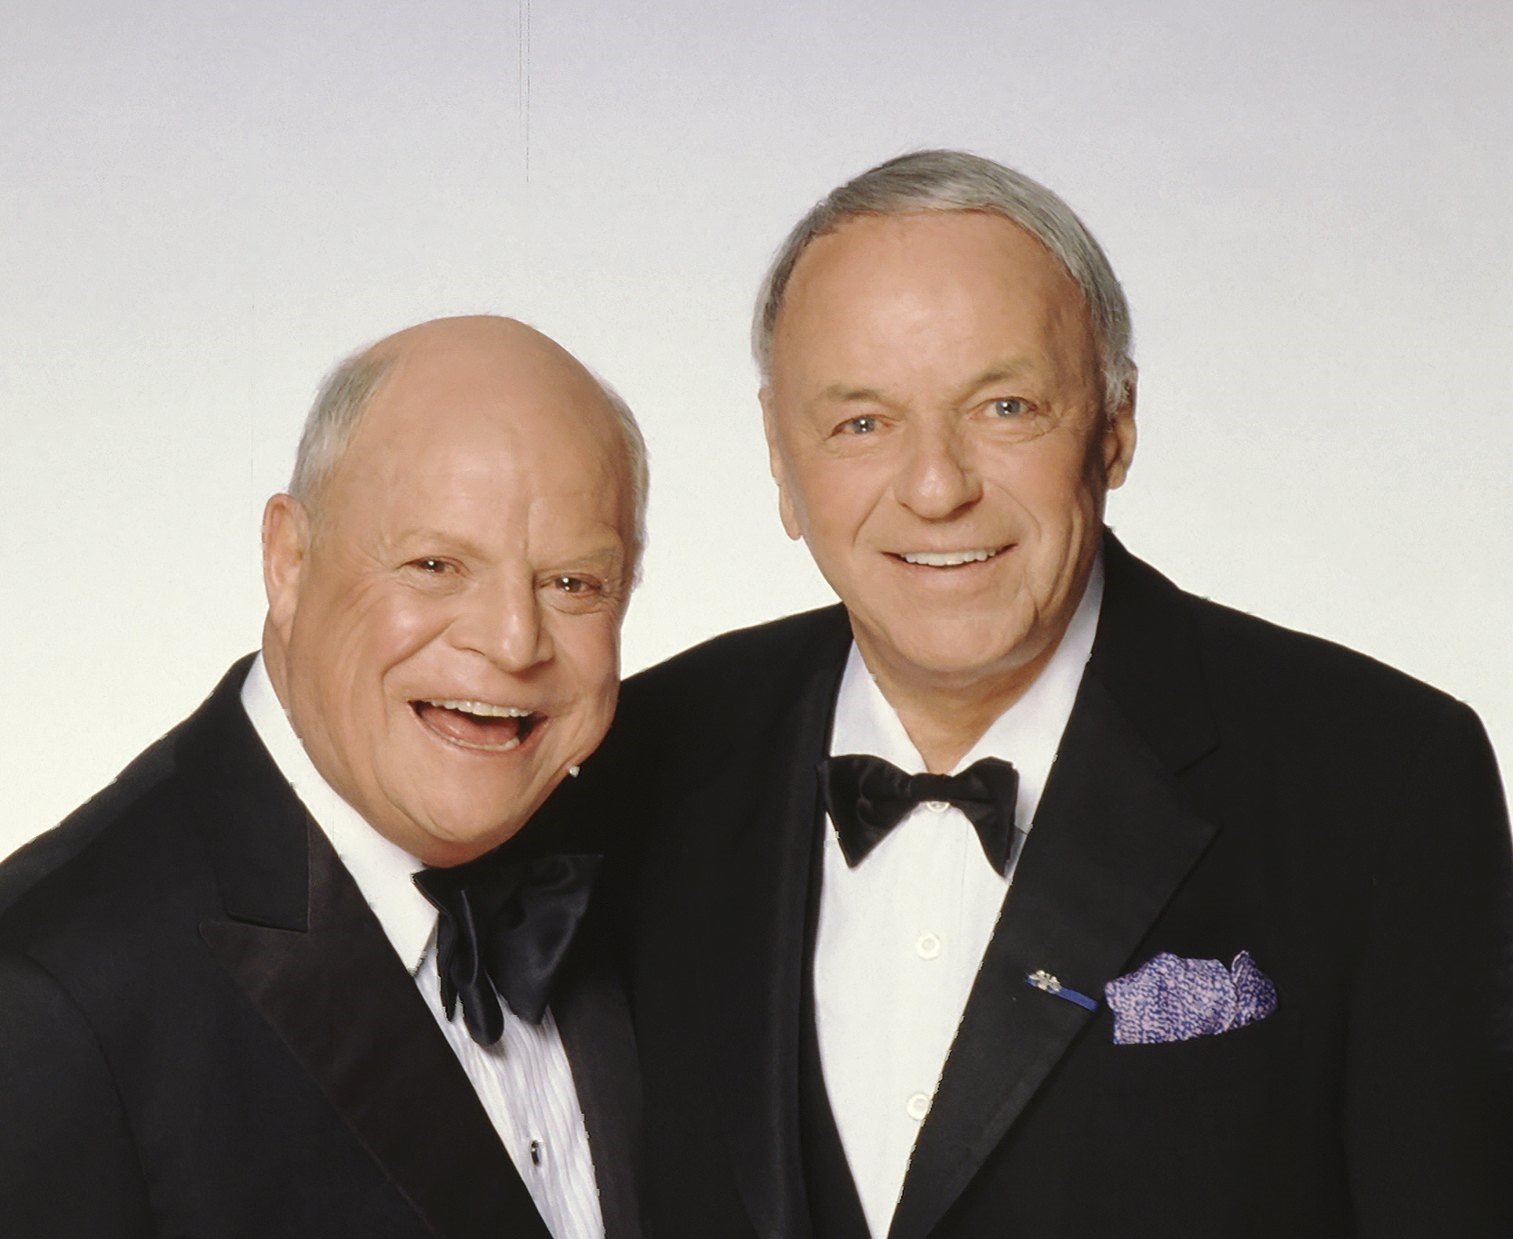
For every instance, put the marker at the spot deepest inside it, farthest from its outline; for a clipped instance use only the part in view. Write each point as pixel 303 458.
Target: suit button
pixel 918 1107
pixel 928 946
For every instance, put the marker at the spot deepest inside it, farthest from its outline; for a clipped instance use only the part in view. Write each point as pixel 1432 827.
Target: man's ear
pixel 786 509
pixel 286 544
pixel 1119 440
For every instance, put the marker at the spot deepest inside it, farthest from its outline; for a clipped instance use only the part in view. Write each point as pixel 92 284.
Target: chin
pixel 450 839
pixel 456 849
pixel 973 651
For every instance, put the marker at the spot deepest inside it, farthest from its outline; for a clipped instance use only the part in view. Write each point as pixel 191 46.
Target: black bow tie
pixel 867 797
pixel 505 925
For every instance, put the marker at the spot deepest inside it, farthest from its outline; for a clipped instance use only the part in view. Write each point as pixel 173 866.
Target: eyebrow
pixel 1005 371
pixel 840 393
pixel 424 535
pixel 606 553
pixel 610 555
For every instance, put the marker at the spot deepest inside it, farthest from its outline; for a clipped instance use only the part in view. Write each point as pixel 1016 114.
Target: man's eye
pixel 433 567
pixel 863 425
pixel 1008 407
pixel 573 585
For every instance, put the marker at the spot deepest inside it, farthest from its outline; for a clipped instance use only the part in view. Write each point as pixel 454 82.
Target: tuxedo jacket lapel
pixel 1112 841
pixel 756 956
pixel 307 952
pixel 594 1021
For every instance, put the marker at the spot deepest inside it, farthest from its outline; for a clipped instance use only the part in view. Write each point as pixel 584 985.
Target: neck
pixel 944 718
pixel 275 663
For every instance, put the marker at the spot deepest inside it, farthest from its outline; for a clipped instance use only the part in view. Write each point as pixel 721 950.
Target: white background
pixel 202 205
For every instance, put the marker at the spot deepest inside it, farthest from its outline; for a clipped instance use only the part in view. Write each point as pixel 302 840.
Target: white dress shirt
pixel 900 938
pixel 524 1080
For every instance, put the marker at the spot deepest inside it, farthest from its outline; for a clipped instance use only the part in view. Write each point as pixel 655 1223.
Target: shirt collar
pixel 1026 734
pixel 381 868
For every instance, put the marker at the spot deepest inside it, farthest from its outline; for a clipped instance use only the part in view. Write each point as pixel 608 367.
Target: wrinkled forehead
pixel 874 254
pixel 880 291
pixel 459 427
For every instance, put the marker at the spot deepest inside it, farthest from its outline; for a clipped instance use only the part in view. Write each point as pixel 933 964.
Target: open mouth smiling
pixel 478 725
pixel 949 559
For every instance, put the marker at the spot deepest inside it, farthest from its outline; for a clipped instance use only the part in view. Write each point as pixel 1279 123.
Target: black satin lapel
pixel 594 1021
pixel 253 824
pixel 770 808
pixel 341 1001
pixel 1112 841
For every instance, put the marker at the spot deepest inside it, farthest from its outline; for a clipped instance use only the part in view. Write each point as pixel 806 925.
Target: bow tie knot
pixel 503 927
pixel 867 797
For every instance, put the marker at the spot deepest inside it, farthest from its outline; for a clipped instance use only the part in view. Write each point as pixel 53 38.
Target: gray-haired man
pixel 1023 893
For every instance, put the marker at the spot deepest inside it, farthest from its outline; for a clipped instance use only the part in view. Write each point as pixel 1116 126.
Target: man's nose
pixel 936 478
pixel 505 625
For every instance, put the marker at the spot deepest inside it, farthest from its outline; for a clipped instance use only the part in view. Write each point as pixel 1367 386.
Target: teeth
pixel 512 743
pixel 481 708
pixel 947 559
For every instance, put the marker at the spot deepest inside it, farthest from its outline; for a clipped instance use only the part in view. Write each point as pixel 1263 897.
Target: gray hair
pixel 634 445
pixel 339 404
pixel 941 180
pixel 349 389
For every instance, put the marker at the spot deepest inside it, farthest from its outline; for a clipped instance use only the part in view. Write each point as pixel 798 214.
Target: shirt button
pixel 918 1107
pixel 928 946
pixel 937 806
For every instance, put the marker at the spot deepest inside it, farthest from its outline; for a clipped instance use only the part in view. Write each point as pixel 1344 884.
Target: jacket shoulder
pixel 89 828
pixel 127 834
pixel 695 705
pixel 1155 628
pixel 742 661
pixel 1328 720
pixel 1244 653
pixel 1191 673
pixel 125 857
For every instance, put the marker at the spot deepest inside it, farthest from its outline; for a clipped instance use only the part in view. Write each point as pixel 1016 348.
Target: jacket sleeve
pixel 1427 1103
pixel 67 1162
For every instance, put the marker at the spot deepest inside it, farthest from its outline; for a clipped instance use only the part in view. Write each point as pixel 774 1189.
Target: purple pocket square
pixel 1174 999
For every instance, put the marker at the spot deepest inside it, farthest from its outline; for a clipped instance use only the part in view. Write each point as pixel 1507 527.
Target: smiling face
pixel 443 630
pixel 938 438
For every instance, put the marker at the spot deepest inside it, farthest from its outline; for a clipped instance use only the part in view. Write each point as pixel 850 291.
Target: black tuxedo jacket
pixel 1222 785
pixel 204 1031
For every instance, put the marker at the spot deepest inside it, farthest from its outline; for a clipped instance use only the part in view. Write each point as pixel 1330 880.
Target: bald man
pixel 301 970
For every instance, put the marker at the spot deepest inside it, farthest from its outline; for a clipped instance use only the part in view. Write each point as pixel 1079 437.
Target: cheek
pixel 397 627
pixel 376 633
pixel 401 620
pixel 588 648
pixel 1058 489
pixel 835 502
